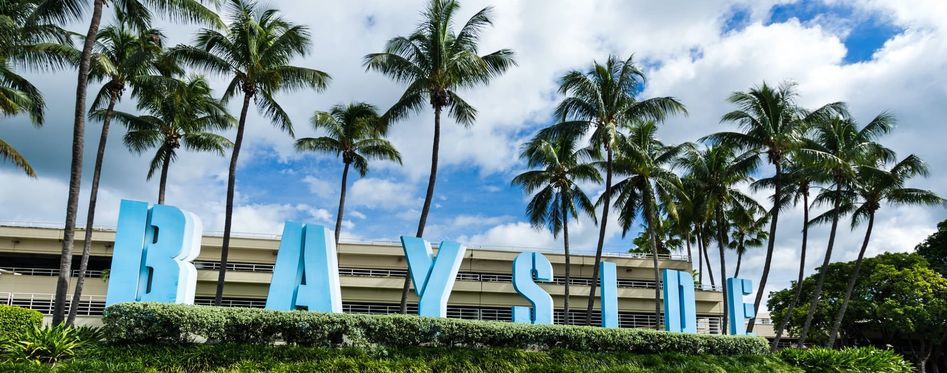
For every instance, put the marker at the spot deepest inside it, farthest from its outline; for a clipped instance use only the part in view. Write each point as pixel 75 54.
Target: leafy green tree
pixel 872 188
pixel 26 41
pixel 356 133
pixel 839 148
pixel 436 62
pixel 255 50
pixel 602 99
pixel 747 230
pixel 556 193
pixel 122 56
pixel 771 124
pixel 178 113
pixel 718 170
pixel 65 11
pixel 693 203
pixel 934 249
pixel 647 162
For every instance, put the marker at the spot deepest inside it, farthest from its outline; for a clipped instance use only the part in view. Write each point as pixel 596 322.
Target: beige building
pixel 371 276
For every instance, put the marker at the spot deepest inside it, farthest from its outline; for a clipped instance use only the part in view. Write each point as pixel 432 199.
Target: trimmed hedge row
pixel 849 359
pixel 17 320
pixel 173 323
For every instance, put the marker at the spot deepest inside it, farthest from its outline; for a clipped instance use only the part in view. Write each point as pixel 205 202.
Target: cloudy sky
pixel 876 55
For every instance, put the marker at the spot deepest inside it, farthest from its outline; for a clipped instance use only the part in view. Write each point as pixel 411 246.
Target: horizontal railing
pixel 21 271
pixel 89 305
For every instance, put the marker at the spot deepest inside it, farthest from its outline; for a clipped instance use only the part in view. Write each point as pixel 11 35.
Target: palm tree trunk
pixel 90 216
pixel 703 248
pixel 802 268
pixel 565 248
pixel 231 184
pixel 162 184
pixel 75 175
pixel 851 283
pixel 700 257
pixel 817 292
pixel 428 196
pixel 723 265
pixel 739 260
pixel 606 198
pixel 690 257
pixel 774 215
pixel 338 218
pixel 652 227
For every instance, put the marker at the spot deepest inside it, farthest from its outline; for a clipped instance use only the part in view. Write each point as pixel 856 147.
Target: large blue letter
pixel 739 311
pixel 306 274
pixel 433 277
pixel 608 279
pixel 527 266
pixel 680 307
pixel 153 253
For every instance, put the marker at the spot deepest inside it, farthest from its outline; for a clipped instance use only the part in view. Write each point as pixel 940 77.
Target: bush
pixel 47 345
pixel 16 320
pixel 851 359
pixel 172 323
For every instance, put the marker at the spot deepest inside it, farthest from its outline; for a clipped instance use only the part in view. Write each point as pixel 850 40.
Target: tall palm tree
pixel 64 11
pixel 27 41
pixel 556 193
pixel 771 124
pixel 436 62
pixel 255 49
pixel 718 171
pixel 356 133
pixel 177 114
pixel 840 148
pixel 647 162
pixel 748 230
pixel 801 175
pixel 121 57
pixel 695 206
pixel 874 186
pixel 602 99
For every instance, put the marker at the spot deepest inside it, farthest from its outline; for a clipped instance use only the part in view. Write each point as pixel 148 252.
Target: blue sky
pixel 876 55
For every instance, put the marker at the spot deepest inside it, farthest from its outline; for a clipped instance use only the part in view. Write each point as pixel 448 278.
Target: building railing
pixel 89 305
pixel 359 272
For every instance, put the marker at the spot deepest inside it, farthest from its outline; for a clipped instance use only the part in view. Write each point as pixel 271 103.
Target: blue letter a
pixel 306 274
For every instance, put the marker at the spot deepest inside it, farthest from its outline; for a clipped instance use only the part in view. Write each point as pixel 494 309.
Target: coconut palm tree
pixel 121 57
pixel 602 99
pixel 771 124
pixel 693 204
pixel 718 171
pixel 839 148
pixel 747 227
pixel 647 163
pixel 64 11
pixel 177 114
pixel 255 50
pixel 556 193
pixel 26 41
pixel 356 133
pixel 436 62
pixel 872 188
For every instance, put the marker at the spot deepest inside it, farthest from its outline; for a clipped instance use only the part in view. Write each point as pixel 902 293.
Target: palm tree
pixel 839 148
pixel 121 57
pixel 27 41
pixel 435 62
pixel 255 50
pixel 647 162
pixel 177 113
pixel 718 170
pixel 773 124
pixel 556 193
pixel 64 11
pixel 695 204
pixel 602 99
pixel 748 230
pixel 874 186
pixel 356 133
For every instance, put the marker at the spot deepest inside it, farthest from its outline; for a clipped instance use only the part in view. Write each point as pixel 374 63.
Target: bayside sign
pixel 154 247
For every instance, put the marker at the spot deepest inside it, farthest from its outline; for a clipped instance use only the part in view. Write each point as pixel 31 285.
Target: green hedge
pixel 171 323
pixel 850 359
pixel 16 320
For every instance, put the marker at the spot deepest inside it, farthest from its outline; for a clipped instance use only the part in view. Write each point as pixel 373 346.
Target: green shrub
pixel 46 345
pixel 17 320
pixel 851 359
pixel 171 323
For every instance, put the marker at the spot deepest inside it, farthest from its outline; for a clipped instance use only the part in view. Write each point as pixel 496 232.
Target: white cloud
pixel 381 193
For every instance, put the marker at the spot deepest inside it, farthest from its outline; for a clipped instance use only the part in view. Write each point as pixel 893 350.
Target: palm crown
pixel 354 132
